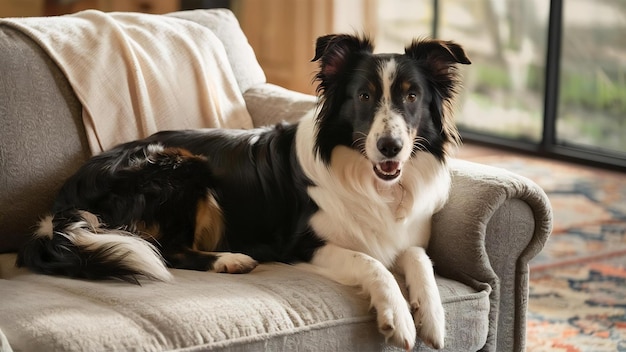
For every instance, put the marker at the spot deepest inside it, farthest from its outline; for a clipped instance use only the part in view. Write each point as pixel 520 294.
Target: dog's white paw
pixel 396 323
pixel 234 263
pixel 430 321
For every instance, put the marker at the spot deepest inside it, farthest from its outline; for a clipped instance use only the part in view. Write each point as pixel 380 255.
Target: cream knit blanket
pixel 136 74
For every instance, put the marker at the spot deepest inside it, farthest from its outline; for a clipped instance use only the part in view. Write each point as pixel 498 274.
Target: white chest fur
pixel 360 212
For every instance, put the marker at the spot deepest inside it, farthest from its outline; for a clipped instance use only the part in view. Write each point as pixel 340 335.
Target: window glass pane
pixel 401 21
pixel 592 96
pixel 504 86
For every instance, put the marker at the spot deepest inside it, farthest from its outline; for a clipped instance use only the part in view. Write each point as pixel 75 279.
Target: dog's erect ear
pixel 335 50
pixel 440 58
pixel 439 54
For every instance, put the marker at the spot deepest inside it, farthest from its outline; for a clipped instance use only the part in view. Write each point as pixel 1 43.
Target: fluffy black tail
pixel 74 243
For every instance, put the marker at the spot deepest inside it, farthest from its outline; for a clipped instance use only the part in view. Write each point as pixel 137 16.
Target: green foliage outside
pixel 588 90
pixel 594 91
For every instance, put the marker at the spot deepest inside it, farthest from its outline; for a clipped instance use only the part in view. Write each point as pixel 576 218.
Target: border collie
pixel 350 189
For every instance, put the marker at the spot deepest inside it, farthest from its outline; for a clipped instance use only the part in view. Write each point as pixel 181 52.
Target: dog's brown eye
pixel 364 97
pixel 411 97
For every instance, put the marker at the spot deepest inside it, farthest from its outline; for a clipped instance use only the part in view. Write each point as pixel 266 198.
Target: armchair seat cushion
pixel 277 307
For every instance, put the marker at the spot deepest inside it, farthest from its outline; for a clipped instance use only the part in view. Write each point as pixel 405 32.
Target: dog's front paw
pixel 234 263
pixel 396 324
pixel 430 322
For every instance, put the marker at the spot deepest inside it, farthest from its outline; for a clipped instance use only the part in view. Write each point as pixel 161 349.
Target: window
pixel 546 76
pixel 592 89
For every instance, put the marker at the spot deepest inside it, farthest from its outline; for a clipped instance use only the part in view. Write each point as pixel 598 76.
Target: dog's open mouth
pixel 387 170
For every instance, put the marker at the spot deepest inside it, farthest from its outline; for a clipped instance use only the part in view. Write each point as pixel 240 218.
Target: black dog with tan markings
pixel 350 189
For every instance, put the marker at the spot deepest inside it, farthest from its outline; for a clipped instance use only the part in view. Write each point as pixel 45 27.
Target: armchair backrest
pixel 42 138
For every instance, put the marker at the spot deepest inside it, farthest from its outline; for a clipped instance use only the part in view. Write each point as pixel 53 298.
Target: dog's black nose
pixel 389 146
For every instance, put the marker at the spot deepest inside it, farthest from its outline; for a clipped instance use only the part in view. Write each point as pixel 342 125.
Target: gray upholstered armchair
pixel 493 224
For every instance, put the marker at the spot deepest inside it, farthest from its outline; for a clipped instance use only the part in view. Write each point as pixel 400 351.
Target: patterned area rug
pixel 578 282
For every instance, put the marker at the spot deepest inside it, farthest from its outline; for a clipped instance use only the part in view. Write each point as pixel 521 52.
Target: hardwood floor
pixel 469 151
pixel 482 154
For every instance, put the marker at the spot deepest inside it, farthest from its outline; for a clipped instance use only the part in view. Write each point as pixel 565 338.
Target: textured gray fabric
pixel 508 235
pixel 482 240
pixel 277 307
pixel 42 139
pixel 269 104
pixel 225 26
pixel 486 233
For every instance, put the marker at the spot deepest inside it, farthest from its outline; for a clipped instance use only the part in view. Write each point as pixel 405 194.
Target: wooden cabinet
pixel 21 8
pixel 56 7
pixel 283 34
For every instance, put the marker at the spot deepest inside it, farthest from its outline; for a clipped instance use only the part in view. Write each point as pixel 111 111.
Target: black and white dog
pixel 350 189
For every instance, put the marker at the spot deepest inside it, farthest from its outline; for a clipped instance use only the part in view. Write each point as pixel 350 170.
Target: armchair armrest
pixel 269 104
pixel 493 224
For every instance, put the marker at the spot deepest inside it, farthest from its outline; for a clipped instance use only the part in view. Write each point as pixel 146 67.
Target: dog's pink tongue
pixel 389 166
